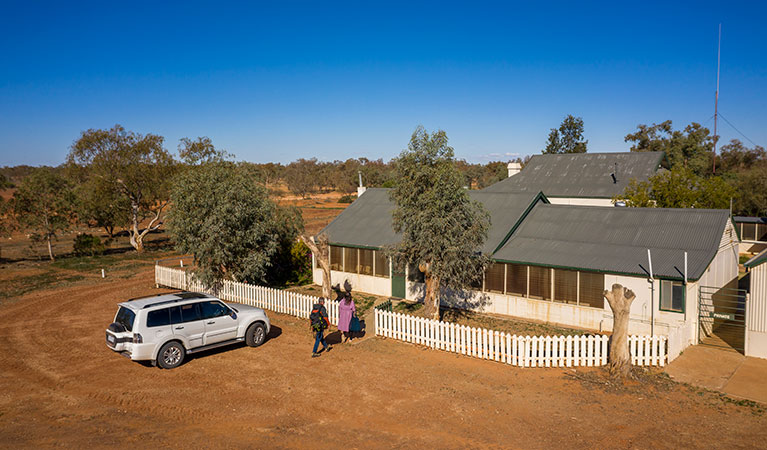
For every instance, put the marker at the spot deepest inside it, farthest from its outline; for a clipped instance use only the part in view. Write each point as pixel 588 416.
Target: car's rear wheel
pixel 171 355
pixel 256 335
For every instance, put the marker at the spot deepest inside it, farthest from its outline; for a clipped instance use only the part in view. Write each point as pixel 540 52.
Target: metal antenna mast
pixel 716 98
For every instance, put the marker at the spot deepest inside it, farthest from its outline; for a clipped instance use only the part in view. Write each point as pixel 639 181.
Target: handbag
pixel 355 326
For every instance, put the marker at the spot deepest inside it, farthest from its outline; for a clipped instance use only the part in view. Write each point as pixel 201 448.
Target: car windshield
pixel 125 318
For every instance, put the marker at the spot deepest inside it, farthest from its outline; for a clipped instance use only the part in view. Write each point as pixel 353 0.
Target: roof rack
pixel 153 295
pixel 183 295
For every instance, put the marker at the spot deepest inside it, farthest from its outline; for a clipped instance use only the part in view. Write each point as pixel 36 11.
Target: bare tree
pixel 620 300
pixel 321 251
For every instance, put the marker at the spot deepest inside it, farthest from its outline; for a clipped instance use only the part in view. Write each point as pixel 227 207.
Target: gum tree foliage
pixel 568 138
pixel 442 228
pixel 690 148
pixel 302 176
pixel 100 204
pixel 200 151
pixel 137 166
pixel 44 206
pixel 223 216
pixel 751 192
pixel 679 188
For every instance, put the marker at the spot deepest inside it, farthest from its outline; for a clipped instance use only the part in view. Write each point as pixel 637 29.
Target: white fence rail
pixel 522 351
pixel 277 300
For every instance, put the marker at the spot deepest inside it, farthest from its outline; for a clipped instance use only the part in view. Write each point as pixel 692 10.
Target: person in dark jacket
pixel 319 322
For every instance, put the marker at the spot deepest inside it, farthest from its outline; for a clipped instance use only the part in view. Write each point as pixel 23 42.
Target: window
pixel 159 318
pixel 210 310
pixel 761 232
pixel 540 282
pixel 494 277
pixel 591 289
pixel 749 232
pixel 350 260
pixel 189 313
pixel 516 279
pixel 125 317
pixel 366 262
pixel 336 257
pixel 382 264
pixel 565 286
pixel 671 296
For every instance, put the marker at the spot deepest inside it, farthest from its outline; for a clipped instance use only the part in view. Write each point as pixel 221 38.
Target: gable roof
pixel 367 222
pixel 581 174
pixel 615 240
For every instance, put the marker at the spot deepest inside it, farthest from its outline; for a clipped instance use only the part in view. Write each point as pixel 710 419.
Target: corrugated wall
pixel 757 304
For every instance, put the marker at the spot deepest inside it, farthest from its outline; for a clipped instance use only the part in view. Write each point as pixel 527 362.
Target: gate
pixel 722 317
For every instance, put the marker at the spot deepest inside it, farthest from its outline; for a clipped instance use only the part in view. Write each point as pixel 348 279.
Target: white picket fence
pixel 522 351
pixel 277 300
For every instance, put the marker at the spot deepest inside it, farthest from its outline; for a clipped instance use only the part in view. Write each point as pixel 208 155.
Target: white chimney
pixel 360 189
pixel 514 168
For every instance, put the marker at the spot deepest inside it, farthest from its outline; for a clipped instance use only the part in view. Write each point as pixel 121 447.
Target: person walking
pixel 346 310
pixel 319 322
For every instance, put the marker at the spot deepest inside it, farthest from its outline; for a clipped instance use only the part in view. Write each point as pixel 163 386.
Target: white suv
pixel 165 328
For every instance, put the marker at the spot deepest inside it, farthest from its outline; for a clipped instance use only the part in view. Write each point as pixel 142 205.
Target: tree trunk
pixel 135 241
pixel 50 249
pixel 620 300
pixel 431 299
pixel 321 251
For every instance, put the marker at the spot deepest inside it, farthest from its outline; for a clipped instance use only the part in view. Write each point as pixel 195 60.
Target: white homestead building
pixel 592 179
pixel 552 262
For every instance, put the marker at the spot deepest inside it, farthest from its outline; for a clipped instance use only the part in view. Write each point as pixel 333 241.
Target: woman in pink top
pixel 346 310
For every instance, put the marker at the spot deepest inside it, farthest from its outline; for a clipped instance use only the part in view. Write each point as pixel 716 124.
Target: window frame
pixel 684 296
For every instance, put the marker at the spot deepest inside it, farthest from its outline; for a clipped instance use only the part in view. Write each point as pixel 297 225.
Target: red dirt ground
pixel 61 386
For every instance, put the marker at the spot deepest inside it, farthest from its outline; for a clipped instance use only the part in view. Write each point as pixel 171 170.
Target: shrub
pixel 88 245
pixel 348 198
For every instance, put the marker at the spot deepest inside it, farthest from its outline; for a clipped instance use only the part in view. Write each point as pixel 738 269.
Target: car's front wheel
pixel 256 335
pixel 171 355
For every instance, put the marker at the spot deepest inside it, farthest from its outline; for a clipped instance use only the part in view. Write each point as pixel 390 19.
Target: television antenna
pixel 716 96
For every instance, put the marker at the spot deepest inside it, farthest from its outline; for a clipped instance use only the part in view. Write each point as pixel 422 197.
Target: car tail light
pixel 137 339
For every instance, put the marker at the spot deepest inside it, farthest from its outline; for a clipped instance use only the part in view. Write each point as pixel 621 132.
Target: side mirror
pixel 233 315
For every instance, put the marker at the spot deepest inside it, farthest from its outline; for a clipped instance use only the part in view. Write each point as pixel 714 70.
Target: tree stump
pixel 620 300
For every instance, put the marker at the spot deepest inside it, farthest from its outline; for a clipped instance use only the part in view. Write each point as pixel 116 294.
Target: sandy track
pixel 61 386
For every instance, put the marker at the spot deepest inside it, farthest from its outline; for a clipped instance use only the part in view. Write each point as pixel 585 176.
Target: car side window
pixel 189 313
pixel 175 315
pixel 210 310
pixel 158 318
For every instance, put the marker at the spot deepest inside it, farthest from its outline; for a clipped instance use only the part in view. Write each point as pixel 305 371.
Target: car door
pixel 187 322
pixel 158 322
pixel 219 323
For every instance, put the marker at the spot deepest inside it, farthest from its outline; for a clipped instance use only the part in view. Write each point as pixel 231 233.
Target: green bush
pixel 88 245
pixel 348 198
pixel 301 259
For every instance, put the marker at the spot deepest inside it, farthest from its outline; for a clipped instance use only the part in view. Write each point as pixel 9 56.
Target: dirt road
pixel 61 386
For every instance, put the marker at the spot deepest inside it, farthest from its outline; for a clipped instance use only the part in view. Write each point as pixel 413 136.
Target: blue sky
pixel 285 80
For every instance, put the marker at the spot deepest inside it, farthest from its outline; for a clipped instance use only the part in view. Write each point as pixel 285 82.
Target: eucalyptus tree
pixel 442 228
pixel 44 206
pixel 222 215
pixel 137 166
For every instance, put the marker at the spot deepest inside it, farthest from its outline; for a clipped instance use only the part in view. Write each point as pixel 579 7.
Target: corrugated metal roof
pixel 581 174
pixel 367 222
pixel 616 239
pixel 745 219
pixel 759 258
